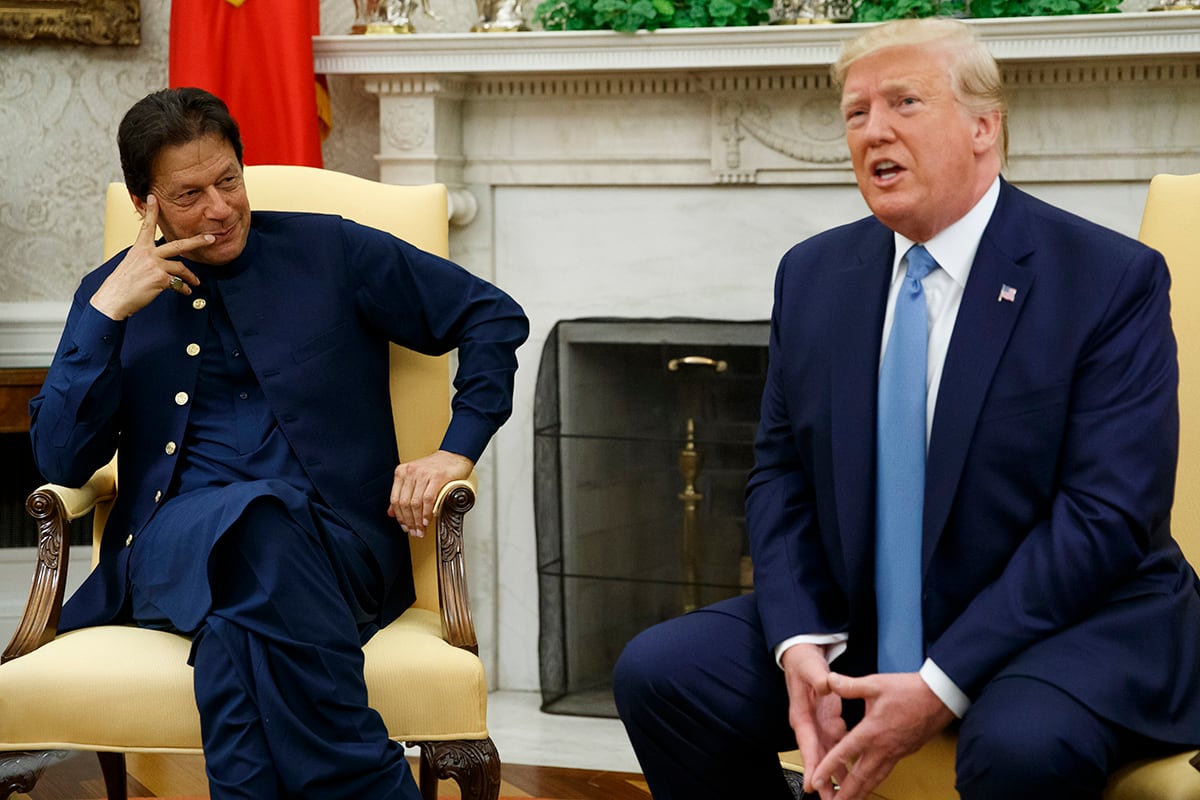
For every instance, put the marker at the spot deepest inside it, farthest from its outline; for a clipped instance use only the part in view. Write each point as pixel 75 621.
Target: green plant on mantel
pixel 632 15
pixel 880 10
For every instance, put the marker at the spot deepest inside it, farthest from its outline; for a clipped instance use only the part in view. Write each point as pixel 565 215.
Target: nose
pixel 215 205
pixel 878 127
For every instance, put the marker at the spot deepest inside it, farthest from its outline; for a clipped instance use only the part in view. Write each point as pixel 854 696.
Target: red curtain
pixel 256 55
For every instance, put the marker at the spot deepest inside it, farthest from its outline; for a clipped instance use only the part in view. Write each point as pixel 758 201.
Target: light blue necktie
pixel 900 474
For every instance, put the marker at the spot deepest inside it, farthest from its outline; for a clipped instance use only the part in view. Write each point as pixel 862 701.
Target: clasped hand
pixel 902 714
pixel 416 486
pixel 146 269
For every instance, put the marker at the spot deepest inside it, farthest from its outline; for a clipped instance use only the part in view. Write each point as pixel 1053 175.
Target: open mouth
pixel 886 171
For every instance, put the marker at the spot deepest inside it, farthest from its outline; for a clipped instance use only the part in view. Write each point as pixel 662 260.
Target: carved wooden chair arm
pixel 53 508
pixel 454 501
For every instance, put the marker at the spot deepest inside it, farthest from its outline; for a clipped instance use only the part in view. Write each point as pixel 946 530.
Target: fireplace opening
pixel 643 438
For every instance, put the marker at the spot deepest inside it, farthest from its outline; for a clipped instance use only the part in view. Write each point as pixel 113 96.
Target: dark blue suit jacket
pixel 315 301
pixel 1049 480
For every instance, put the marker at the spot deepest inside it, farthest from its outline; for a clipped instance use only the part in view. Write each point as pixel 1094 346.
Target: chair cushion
pixel 1171 778
pixel 138 696
pixel 929 775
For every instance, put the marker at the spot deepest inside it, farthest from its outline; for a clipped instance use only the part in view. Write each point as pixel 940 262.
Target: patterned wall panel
pixel 60 105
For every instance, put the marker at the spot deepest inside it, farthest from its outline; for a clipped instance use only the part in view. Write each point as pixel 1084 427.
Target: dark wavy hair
pixel 169 118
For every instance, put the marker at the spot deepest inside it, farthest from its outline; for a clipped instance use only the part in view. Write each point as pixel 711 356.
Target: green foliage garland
pixel 880 10
pixel 632 15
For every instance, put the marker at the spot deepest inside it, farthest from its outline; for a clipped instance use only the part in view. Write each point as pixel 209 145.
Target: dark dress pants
pixel 278 667
pixel 705 707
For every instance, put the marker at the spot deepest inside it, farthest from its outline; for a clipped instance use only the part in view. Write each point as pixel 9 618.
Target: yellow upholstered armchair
pixel 1171 225
pixel 121 689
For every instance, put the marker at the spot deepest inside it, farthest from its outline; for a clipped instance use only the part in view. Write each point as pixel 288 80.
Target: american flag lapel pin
pixel 1008 294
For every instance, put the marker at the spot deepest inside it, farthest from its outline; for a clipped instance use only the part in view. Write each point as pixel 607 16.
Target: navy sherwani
pixel 315 301
pixel 254 425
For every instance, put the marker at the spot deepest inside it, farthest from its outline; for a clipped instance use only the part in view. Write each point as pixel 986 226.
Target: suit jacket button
pixel 181 399
pixel 199 303
pixel 193 349
pixel 170 448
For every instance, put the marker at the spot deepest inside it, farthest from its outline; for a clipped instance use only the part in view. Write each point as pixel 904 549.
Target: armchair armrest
pixel 54 508
pixel 454 501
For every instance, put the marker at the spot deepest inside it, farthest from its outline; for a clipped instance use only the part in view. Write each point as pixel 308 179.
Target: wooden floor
pixel 78 778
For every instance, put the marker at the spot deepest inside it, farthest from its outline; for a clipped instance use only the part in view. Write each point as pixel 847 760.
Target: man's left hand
pixel 902 714
pixel 416 486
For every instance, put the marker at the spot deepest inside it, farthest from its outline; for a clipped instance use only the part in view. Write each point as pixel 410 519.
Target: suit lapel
pixel 996 291
pixel 860 293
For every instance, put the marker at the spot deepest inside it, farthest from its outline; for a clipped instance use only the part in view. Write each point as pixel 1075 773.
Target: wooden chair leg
pixel 112 766
pixel 473 764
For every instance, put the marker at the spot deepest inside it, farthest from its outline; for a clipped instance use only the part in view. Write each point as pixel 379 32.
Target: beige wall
pixel 59 109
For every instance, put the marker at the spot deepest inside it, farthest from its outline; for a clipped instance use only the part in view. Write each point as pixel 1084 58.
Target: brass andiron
pixel 690 462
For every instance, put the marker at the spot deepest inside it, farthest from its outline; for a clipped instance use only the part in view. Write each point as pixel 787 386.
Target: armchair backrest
pixel 420 385
pixel 1171 225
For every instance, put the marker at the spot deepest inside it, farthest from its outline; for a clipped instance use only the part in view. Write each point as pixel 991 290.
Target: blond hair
pixel 974 73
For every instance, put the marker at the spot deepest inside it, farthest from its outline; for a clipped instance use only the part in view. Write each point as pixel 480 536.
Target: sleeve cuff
pixel 945 689
pixel 468 435
pixel 835 645
pixel 96 334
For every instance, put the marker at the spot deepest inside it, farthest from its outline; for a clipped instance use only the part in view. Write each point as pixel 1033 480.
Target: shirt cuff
pixel 834 643
pixel 946 690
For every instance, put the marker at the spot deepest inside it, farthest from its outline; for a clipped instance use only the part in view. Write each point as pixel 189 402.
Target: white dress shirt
pixel 954 251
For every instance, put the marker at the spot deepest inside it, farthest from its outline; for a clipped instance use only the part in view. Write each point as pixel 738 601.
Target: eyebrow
pixel 889 88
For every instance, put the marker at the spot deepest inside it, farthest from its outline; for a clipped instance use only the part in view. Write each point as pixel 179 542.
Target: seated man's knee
pixel 638 670
pixel 1031 744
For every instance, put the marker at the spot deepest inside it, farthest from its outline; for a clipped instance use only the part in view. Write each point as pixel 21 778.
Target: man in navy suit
pixel 240 367
pixel 1057 624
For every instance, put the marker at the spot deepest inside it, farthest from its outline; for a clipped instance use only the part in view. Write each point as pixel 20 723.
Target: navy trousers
pixel 705 706
pixel 278 666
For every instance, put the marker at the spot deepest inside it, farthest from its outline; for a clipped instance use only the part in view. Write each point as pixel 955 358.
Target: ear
pixel 987 131
pixel 139 204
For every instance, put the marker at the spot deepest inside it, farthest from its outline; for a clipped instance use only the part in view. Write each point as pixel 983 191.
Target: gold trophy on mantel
pixel 396 16
pixel 387 16
pixel 811 12
pixel 499 16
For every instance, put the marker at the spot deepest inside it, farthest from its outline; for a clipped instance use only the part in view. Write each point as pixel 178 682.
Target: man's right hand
pixel 814 712
pixel 146 271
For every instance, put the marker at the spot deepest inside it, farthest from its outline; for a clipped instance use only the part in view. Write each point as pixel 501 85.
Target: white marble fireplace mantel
pixel 1112 98
pixel 663 174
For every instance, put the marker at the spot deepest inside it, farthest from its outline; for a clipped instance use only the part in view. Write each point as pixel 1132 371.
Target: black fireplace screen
pixel 643 437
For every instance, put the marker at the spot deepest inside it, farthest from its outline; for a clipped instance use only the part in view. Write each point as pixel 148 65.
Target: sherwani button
pixel 129 540
pixel 157 496
pixel 199 303
pixel 181 399
pixel 170 448
pixel 193 349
